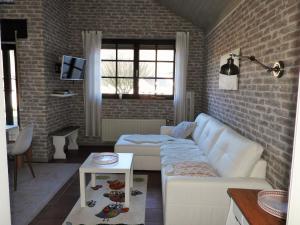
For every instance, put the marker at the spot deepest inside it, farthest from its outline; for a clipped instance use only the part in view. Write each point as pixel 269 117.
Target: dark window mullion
pixel 116 69
pixel 158 78
pixel 120 60
pixel 136 70
pixel 174 57
pixel 108 60
pixel 126 77
pixel 156 61
pixel 155 83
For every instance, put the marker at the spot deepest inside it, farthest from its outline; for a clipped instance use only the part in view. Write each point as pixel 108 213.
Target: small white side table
pixel 124 165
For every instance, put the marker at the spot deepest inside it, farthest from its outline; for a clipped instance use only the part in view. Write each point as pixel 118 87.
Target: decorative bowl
pixel 274 202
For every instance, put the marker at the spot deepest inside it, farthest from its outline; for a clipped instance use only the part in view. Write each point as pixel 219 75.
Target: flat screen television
pixel 72 68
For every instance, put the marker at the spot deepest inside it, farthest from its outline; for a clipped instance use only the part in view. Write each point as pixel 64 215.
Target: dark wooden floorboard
pixel 55 212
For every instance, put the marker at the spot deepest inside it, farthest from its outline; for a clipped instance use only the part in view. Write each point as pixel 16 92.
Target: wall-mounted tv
pixel 72 68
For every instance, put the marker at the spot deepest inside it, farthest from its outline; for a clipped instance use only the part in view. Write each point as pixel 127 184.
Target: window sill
pixel 147 97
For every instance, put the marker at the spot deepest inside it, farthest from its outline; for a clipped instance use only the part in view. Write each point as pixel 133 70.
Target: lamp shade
pixel 229 68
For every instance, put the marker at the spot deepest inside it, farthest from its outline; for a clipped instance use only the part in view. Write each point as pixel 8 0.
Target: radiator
pixel 190 105
pixel 112 129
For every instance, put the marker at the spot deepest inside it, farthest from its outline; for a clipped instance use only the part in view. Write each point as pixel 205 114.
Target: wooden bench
pixel 59 140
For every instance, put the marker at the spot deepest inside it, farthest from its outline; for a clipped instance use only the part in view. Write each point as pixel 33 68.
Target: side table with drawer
pixel 244 209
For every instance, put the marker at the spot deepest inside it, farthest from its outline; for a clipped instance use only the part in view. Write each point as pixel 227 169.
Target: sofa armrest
pixel 205 198
pixel 166 130
pixel 207 188
pixel 259 170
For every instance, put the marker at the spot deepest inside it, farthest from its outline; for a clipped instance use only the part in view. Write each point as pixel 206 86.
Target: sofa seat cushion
pixel 191 168
pixel 234 155
pixel 179 141
pixel 147 139
pixel 141 149
pixel 181 156
pixel 177 146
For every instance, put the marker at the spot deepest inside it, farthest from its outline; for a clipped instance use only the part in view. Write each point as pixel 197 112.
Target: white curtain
pixel 181 59
pixel 92 92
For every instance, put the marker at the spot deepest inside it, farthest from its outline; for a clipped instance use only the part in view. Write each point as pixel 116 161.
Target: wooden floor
pixel 61 204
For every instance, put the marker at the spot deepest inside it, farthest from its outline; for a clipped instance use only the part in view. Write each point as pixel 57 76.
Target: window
pixel 138 68
pixel 10 84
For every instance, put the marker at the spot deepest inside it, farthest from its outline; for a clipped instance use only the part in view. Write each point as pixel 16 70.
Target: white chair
pixel 21 148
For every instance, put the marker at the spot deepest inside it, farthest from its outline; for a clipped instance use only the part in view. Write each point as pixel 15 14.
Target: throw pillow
pixel 183 129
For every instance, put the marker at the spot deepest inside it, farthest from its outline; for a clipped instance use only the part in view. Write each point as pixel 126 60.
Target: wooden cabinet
pixel 244 209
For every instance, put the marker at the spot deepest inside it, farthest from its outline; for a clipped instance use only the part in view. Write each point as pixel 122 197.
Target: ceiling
pixel 203 13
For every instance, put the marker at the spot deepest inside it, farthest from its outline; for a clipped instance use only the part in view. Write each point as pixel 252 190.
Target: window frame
pixel 136 44
pixel 7 84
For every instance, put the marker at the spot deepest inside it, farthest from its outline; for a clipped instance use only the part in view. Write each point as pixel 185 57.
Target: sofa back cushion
pixel 209 135
pixel 201 122
pixel 234 155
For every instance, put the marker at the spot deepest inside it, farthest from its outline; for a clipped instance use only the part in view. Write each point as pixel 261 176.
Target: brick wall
pixel 137 19
pixel 47 39
pixel 56 38
pixel 30 54
pixel 54 29
pixel 263 108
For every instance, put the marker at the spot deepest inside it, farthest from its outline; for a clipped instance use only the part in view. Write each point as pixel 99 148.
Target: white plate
pixel 105 158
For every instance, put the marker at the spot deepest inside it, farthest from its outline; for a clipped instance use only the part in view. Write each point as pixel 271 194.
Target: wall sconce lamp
pixel 230 69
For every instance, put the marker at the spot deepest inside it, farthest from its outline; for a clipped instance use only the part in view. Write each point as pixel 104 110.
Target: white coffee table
pixel 124 165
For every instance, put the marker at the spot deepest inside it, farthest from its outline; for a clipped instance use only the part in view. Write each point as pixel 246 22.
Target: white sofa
pixel 203 200
pixel 191 200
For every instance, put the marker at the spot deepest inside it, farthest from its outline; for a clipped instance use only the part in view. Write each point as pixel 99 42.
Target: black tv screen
pixel 72 68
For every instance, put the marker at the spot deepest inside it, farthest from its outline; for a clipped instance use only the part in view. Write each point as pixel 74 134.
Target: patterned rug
pixel 105 203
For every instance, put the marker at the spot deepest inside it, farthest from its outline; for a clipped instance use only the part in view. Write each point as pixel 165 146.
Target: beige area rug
pixel 34 193
pixel 105 205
